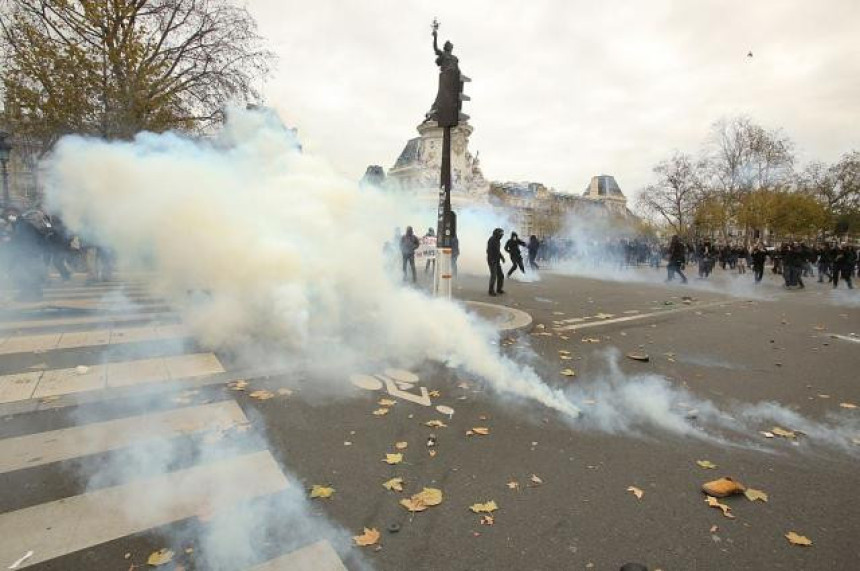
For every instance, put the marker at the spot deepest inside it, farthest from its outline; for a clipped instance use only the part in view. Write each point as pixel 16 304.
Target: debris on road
pixel 513 485
pixel 435 424
pixel 394 485
pixel 850 405
pixel 161 557
pixel 319 491
pixel 386 402
pixel 777 431
pixel 707 464
pixel 401 445
pixel 536 480
pixel 639 357
pixel 715 503
pixel 237 385
pixel 636 492
pixel 797 539
pixel 723 487
pixel 369 537
pixel 755 495
pixel 487 507
pixel 381 411
pixel 419 502
pixel 479 430
pixel 262 395
pixel 393 458
pixel 568 372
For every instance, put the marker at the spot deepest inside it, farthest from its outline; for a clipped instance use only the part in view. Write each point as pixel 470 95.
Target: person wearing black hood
pixel 677 259
pixel 408 244
pixel 759 256
pixel 494 260
pixel 512 247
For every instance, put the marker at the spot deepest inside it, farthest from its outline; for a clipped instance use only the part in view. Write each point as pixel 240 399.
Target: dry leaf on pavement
pixel 537 481
pixel 401 445
pixel 753 495
pixel 483 431
pixel 568 372
pixel 261 395
pixel 513 485
pixel 715 503
pixel 419 502
pixel 487 520
pixel 487 507
pixel 369 537
pixel 777 431
pixel 381 411
pixel 393 458
pixel 847 405
pixel 238 385
pixel 590 340
pixel 435 424
pixel 319 491
pixel 160 557
pixel 707 464
pixel 387 402
pixel 434 394
pixel 797 539
pixel 394 484
pixel 636 492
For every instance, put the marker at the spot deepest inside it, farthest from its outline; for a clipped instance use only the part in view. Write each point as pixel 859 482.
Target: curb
pixel 506 319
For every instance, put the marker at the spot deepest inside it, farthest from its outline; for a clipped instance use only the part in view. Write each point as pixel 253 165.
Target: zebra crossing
pixel 75 520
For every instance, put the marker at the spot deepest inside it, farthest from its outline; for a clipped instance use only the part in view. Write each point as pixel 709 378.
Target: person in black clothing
pixel 758 259
pixel 676 259
pixel 455 253
pixel 494 260
pixel 512 247
pixel 408 245
pixel 534 246
pixel 824 255
pixel 705 257
pixel 794 261
pixel 844 259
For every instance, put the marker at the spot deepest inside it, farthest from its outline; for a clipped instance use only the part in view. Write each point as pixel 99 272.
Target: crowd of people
pixel 792 260
pixel 33 242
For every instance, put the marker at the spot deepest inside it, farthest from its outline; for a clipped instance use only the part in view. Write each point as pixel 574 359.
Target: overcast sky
pixel 565 89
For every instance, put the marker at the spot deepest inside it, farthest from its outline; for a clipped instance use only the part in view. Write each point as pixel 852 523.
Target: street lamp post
pixel 5 151
pixel 446 113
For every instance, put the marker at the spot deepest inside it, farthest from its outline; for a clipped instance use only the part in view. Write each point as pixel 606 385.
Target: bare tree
pixel 114 68
pixel 675 193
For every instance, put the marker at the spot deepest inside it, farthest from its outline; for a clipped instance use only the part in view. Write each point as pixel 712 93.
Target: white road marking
pixel 56 445
pixel 83 320
pixel 64 526
pixel 58 382
pixel 845 337
pixel 319 556
pixel 89 338
pixel 640 316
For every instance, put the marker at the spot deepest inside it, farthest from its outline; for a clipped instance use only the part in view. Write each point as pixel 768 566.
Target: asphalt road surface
pixel 121 436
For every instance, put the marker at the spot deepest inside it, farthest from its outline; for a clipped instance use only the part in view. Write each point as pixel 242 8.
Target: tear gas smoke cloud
pixel 637 404
pixel 288 253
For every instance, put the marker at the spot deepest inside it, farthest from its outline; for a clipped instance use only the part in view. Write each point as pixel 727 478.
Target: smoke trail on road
pixel 636 404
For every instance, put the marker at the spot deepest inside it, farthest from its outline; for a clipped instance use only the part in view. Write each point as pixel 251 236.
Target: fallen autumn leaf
pixel 486 507
pixel 369 537
pixel 319 491
pixel 797 539
pixel 393 458
pixel 636 492
pixel 394 484
pixel 160 557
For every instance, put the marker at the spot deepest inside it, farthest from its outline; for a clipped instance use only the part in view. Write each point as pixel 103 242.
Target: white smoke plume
pixel 285 251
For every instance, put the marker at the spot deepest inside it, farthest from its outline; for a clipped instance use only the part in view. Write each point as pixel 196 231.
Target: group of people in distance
pixel 513 248
pixel 793 260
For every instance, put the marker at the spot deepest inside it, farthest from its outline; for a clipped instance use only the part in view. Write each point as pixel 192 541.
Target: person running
pixel 676 259
pixel 408 244
pixel 759 256
pixel 844 259
pixel 533 247
pixel 494 260
pixel 512 247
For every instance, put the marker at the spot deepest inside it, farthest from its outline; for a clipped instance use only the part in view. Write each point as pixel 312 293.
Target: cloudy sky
pixel 565 89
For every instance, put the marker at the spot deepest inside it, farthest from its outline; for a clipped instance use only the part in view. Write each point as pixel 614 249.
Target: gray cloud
pixel 566 89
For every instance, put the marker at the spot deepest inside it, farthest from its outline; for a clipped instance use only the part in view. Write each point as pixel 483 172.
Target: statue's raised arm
pixel 436 37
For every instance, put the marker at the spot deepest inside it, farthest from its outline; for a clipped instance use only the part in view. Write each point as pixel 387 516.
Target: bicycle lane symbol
pixel 397 382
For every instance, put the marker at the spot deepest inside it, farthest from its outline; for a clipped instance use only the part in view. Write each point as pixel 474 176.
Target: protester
pixel 494 260
pixel 676 259
pixel 408 244
pixel 759 256
pixel 429 241
pixel 533 247
pixel 512 247
pixel 455 253
pixel 843 265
